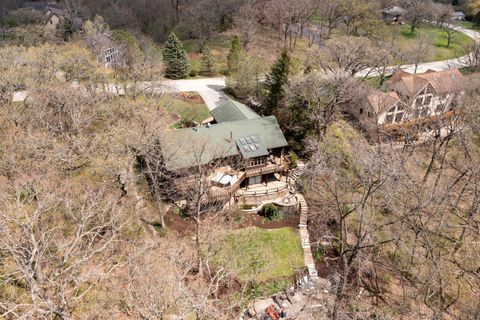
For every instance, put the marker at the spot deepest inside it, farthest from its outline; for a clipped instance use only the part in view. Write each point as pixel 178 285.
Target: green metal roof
pixel 185 148
pixel 233 111
pixel 251 147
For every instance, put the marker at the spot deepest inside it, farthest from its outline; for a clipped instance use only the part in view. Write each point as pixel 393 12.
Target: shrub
pixel 294 159
pixel 319 252
pixel 270 211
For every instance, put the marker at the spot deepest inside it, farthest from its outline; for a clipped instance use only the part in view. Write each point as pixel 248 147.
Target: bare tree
pixel 247 21
pixel 330 14
pixel 315 102
pixel 348 54
pixel 361 17
pixel 416 12
pixel 419 52
pixel 290 17
pixel 56 269
pixel 472 60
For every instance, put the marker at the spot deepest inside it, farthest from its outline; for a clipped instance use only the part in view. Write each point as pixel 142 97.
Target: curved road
pixel 436 65
pixel 211 89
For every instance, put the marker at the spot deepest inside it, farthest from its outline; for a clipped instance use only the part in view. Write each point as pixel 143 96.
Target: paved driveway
pixel 211 89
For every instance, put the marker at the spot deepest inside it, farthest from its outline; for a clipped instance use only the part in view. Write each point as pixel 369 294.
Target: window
pixel 422 106
pixel 440 107
pixel 427 100
pixel 257 161
pixel 361 110
pixel 254 180
pixel 111 55
pixel 398 117
pixel 395 114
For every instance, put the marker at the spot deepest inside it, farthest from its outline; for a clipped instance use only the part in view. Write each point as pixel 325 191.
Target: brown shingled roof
pixel 410 84
pixel 382 101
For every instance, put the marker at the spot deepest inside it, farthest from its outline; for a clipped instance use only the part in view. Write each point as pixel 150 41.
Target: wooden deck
pixel 223 194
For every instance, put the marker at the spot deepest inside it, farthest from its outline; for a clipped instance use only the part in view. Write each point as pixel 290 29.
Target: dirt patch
pixel 184 226
pixel 328 264
pixel 188 97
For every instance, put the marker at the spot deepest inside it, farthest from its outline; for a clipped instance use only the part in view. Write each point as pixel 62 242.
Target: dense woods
pixel 90 229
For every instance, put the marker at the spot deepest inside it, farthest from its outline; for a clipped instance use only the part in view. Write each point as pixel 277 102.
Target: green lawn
pixel 466 24
pixel 261 255
pixel 439 50
pixel 188 111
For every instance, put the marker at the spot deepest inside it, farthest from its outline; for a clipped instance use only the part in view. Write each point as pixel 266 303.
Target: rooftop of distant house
pixel 393 10
pixel 381 101
pixel 238 131
pixel 442 82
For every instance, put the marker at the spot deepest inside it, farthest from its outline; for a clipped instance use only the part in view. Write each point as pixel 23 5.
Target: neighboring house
pixel 54 17
pixel 110 53
pixel 106 49
pixel 458 16
pixel 248 151
pixel 414 99
pixel 54 13
pixel 393 14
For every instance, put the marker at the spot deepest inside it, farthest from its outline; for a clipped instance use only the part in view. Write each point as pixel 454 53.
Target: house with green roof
pixel 244 149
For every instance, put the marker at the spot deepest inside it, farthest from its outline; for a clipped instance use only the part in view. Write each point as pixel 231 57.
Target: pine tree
pixel 275 81
pixel 208 62
pixel 236 51
pixel 175 58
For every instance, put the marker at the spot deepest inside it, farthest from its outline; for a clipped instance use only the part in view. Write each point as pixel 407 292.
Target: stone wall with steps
pixel 304 235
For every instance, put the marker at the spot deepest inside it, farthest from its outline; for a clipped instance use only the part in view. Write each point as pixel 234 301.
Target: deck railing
pixel 264 192
pixel 227 193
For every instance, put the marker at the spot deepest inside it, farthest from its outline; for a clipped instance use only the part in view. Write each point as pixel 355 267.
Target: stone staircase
pixel 305 239
pixel 304 235
pixel 295 175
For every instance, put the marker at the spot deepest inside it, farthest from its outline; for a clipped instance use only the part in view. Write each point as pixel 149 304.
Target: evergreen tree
pixel 175 58
pixel 236 50
pixel 275 81
pixel 208 62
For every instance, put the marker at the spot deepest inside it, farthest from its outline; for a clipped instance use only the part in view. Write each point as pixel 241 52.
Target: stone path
pixel 304 235
pixel 305 239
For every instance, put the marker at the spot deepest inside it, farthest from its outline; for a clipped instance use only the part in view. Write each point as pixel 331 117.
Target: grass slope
pixel 439 49
pixel 186 109
pixel 261 255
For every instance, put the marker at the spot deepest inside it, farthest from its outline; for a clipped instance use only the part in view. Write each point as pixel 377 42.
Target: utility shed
pixel 233 111
pixel 189 147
